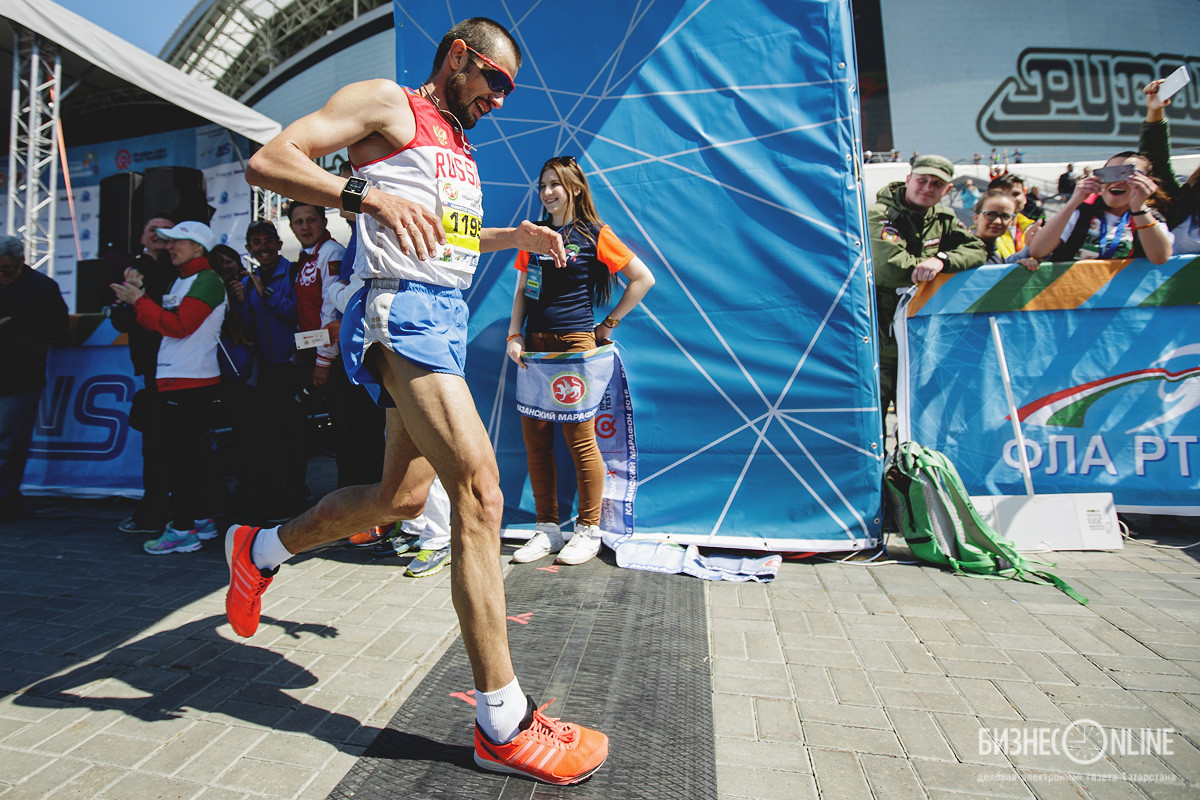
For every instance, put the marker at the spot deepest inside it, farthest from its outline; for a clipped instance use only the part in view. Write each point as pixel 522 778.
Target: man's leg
pixel 510 734
pixel 440 418
pixel 254 555
pixel 18 413
pixel 400 495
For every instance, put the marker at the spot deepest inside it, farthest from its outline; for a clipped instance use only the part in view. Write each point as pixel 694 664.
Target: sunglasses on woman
pixel 498 79
pixel 998 215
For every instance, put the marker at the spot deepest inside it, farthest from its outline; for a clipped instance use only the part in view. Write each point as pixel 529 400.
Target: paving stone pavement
pixel 120 679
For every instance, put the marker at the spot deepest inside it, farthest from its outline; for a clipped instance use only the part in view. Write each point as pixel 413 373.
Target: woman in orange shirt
pixel 555 308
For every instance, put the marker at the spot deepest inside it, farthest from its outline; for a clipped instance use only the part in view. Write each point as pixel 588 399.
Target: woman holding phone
pixel 555 307
pixel 1182 213
pixel 1118 223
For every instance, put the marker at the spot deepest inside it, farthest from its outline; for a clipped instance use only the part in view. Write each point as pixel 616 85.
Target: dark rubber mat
pixel 624 651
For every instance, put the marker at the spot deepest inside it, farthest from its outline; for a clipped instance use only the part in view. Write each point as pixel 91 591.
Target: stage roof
pixel 112 89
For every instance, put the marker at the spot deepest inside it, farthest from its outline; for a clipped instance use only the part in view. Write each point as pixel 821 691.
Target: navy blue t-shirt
pixel 564 296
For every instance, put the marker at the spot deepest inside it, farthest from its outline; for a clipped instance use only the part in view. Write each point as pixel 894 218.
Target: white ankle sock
pixel 268 552
pixel 499 713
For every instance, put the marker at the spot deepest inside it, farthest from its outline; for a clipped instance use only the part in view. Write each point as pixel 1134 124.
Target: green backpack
pixel 934 512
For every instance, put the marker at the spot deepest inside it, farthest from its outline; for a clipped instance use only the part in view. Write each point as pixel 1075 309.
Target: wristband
pixel 1139 213
pixel 514 336
pixel 1150 224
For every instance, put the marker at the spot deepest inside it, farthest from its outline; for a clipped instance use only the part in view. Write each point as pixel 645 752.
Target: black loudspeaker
pixel 121 211
pixel 176 192
pixel 92 279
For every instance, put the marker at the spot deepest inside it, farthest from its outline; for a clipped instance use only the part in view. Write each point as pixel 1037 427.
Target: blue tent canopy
pixel 721 141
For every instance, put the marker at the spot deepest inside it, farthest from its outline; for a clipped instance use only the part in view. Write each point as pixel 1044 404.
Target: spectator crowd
pixel 1135 206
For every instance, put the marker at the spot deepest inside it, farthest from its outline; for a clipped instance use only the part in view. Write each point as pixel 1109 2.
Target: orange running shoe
pixel 369 537
pixel 243 600
pixel 546 749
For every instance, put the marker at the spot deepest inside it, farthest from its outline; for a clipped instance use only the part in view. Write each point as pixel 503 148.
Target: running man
pixel 403 336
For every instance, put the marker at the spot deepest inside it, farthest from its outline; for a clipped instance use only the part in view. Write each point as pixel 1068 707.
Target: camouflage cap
pixel 938 166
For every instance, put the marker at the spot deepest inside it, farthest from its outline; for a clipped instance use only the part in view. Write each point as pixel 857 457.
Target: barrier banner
pixel 618 446
pixel 1104 358
pixel 564 387
pixel 82 443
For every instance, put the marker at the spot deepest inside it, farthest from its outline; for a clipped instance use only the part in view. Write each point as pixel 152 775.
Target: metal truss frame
pixel 33 146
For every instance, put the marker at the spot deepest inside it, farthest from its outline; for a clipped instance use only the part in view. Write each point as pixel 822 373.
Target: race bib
pixel 462 220
pixel 309 339
pixel 462 228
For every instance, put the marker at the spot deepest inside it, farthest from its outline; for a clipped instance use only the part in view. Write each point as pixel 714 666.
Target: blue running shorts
pixel 426 324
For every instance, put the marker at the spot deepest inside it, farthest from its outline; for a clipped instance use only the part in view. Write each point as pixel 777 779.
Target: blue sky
pixel 145 24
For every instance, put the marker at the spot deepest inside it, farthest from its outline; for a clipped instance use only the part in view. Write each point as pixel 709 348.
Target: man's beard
pixel 455 90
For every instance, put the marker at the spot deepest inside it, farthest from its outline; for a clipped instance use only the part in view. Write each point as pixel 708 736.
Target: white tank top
pixel 434 170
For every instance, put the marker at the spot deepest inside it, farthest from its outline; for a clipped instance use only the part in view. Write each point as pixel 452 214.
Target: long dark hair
pixel 1159 200
pixel 585 219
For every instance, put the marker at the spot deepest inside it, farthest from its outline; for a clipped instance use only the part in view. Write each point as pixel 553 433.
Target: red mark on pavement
pixel 467 697
pixel 522 618
pixel 551 568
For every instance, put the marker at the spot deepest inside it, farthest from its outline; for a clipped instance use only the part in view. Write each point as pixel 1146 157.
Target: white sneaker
pixel 547 540
pixel 583 546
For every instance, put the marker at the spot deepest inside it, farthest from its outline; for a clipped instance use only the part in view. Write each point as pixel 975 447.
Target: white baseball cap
pixel 193 231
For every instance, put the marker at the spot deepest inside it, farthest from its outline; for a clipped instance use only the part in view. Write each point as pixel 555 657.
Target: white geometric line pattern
pixel 692 172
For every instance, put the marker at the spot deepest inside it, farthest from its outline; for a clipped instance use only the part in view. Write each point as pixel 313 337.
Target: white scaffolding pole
pixel 33 147
pixel 265 205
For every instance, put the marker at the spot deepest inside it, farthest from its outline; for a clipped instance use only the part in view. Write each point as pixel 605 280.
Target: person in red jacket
pixel 188 375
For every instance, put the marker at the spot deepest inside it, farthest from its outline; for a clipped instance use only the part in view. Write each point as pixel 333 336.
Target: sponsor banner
pixel 575 387
pixel 229 195
pixel 74 242
pixel 1038 86
pixel 82 442
pixel 89 164
pixel 564 387
pixel 1104 358
pixel 618 446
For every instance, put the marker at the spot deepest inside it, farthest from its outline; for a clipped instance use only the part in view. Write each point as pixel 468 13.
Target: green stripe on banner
pixel 1017 288
pixel 1181 289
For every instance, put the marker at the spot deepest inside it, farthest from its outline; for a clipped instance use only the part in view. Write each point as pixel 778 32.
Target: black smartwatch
pixel 353 193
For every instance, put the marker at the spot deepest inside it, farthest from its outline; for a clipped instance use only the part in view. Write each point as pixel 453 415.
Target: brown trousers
pixel 580 438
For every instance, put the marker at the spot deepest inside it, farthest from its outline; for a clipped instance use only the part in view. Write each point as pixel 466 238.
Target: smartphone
pixel 1173 83
pixel 1121 172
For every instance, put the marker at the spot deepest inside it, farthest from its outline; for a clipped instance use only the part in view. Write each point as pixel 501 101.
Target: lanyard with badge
pixel 533 270
pixel 1109 248
pixel 533 277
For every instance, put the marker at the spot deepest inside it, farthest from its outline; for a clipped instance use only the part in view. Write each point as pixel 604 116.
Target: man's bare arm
pixel 373 119
pixel 528 237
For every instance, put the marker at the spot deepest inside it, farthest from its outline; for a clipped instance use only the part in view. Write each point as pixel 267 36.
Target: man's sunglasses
pixel 498 79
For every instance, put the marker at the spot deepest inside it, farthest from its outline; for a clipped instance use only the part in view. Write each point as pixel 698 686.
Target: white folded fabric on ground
pixel 668 557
